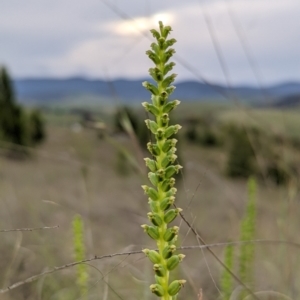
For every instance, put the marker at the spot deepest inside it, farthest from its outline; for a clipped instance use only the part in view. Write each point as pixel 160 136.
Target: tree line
pixel 18 125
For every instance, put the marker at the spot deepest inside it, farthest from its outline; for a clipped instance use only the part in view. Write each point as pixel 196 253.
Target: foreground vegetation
pixel 76 172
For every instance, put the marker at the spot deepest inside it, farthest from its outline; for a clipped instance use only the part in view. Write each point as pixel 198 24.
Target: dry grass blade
pixel 29 229
pixel 208 246
pixel 200 239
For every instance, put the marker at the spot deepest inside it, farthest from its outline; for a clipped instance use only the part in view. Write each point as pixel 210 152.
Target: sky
pixel 245 42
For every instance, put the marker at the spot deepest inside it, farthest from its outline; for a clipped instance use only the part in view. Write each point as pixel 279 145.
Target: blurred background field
pixel 76 171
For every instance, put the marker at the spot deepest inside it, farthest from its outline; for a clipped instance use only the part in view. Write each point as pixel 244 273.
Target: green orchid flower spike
pixel 162 167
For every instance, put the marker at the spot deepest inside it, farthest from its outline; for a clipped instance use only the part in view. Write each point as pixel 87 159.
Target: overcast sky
pixel 256 39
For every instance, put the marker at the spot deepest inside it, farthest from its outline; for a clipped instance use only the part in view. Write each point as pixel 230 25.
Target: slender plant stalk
pixel 226 278
pixel 162 167
pixel 79 253
pixel 248 233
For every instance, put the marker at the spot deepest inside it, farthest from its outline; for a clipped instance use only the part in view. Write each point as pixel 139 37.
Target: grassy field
pixel 75 172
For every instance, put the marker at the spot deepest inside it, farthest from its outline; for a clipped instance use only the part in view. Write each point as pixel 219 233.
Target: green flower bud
pixel 168 145
pixel 155 219
pixel 152 255
pixel 171 192
pixel 168 80
pixel 169 43
pixel 174 261
pixel 170 106
pixel 155 48
pixel 161 42
pixel 151 164
pixel 166 31
pixel 151 231
pixel 170 89
pixel 168 67
pixel 168 159
pixel 151 192
pixel 165 186
pixel 165 119
pixel 172 130
pixel 153 56
pixel 163 98
pixel 160 173
pixel 171 233
pixel 160 133
pixel 153 205
pixel 151 125
pixel 175 287
pixel 171 215
pixel 159 270
pixel 167 202
pixel 153 178
pixel 168 251
pixel 151 108
pixel 167 55
pixel 153 149
pixel 150 87
pixel 156 74
pixel 171 170
pixel 157 289
pixel 155 33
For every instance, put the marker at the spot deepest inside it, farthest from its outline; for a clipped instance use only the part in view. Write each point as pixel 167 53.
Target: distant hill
pixel 45 90
pixel 288 101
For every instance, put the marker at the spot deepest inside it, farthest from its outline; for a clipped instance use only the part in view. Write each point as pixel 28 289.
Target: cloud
pixel 72 37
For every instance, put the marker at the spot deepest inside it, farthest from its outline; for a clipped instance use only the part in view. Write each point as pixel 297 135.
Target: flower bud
pixel 163 97
pixel 153 178
pixel 168 251
pixel 160 173
pixel 151 164
pixel 165 119
pixel 159 270
pixel 161 42
pixel 174 261
pixel 170 106
pixel 171 192
pixel 165 185
pixel 155 219
pixel 168 145
pixel 166 31
pixel 156 74
pixel 167 202
pixel 151 108
pixel 150 87
pixel 171 233
pixel 155 33
pixel 151 231
pixel 172 130
pixel 157 289
pixel 171 170
pixel 171 215
pixel 153 205
pixel 151 125
pixel 155 48
pixel 170 89
pixel 159 134
pixel 151 192
pixel 153 149
pixel 175 287
pixel 168 159
pixel 169 43
pixel 153 56
pixel 152 255
pixel 168 67
pixel 168 80
pixel 167 55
